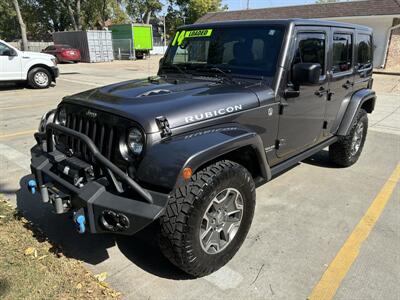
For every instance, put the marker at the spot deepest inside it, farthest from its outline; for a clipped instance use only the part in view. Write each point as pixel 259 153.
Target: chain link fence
pixel 123 49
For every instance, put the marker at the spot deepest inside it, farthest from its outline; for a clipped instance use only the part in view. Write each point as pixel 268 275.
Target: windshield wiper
pixel 224 73
pixel 187 75
pixel 227 76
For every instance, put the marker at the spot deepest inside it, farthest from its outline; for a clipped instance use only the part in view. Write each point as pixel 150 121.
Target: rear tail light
pixel 69 52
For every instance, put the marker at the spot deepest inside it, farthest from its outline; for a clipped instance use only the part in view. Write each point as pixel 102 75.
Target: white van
pixel 39 70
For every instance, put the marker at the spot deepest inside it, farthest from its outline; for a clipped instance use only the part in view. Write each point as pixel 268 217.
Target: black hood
pixel 181 103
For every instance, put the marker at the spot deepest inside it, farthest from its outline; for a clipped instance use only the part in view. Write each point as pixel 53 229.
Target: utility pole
pixel 248 4
pixel 21 25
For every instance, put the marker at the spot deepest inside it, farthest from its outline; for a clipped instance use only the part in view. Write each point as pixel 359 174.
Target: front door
pixel 302 118
pixel 10 66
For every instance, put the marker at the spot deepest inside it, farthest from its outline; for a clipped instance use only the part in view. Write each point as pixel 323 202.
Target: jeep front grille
pixel 101 134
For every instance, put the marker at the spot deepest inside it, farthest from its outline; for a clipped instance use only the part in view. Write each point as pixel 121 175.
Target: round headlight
pixel 62 117
pixel 135 141
pixel 47 118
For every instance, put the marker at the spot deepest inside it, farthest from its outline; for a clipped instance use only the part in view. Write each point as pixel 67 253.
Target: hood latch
pixel 163 125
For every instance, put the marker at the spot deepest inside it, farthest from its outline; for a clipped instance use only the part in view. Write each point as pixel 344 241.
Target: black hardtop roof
pixel 284 22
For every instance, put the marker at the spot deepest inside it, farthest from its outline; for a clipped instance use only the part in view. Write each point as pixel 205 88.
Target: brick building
pixel 383 16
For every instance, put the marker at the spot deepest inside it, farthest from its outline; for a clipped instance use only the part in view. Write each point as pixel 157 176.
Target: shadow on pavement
pixel 17 86
pixel 12 86
pixel 141 249
pixel 144 251
pixel 320 159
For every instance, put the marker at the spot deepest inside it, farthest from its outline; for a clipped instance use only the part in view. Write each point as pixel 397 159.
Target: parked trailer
pixel 94 45
pixel 133 39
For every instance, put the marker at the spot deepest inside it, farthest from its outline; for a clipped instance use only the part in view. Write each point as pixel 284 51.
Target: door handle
pixel 348 84
pixel 321 92
pixel 329 96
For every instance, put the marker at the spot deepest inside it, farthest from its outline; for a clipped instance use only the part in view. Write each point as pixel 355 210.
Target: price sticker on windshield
pixel 184 34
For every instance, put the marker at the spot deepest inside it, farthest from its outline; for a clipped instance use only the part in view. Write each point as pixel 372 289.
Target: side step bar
pixel 302 156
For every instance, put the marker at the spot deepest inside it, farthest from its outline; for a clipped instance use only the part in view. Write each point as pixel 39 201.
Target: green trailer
pixel 133 39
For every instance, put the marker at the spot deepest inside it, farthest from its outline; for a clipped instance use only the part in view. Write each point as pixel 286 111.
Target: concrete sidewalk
pixel 386 117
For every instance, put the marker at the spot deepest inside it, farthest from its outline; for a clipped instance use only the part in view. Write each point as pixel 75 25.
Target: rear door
pixel 302 118
pixel 341 72
pixel 363 58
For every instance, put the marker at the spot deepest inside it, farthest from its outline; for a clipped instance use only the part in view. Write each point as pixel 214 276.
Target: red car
pixel 63 53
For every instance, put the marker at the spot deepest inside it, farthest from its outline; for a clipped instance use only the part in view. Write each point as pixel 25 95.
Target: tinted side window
pixel 310 48
pixel 364 51
pixel 3 49
pixel 342 52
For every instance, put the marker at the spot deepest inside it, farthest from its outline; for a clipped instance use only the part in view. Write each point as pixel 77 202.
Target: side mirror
pixel 306 73
pixel 9 52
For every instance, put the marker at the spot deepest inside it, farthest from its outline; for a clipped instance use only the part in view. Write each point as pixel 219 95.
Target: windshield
pixel 243 51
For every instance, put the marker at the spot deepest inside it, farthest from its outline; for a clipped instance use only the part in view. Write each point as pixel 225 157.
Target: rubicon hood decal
pixel 212 114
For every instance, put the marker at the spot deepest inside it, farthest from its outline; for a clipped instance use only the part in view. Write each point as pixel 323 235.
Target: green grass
pixel 31 267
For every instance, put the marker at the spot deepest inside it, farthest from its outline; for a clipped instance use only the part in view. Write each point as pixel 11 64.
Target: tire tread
pixel 174 223
pixel 339 152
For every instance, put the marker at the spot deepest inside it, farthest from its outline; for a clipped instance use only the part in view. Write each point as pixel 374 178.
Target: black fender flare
pixel 164 162
pixel 349 109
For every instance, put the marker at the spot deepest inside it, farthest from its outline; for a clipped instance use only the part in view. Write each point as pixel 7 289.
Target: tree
pixel 42 17
pixel 74 10
pixel 142 10
pixel 189 11
pixel 96 13
pixel 195 9
pixel 118 14
pixel 21 25
pixel 8 21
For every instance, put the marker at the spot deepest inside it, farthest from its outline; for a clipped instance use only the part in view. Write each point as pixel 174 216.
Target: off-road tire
pixel 180 224
pixel 340 152
pixel 33 83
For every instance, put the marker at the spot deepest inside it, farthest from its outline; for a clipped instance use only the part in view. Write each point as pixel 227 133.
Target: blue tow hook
pixel 32 186
pixel 80 222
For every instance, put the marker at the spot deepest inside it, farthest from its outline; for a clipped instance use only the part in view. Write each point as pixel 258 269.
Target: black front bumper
pixel 94 199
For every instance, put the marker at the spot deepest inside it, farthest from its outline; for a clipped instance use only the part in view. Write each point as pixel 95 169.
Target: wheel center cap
pixel 220 217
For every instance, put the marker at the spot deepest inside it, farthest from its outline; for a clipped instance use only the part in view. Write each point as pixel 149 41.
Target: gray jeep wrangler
pixel 233 104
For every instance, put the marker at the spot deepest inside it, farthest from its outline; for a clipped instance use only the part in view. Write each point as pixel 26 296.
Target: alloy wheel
pixel 221 221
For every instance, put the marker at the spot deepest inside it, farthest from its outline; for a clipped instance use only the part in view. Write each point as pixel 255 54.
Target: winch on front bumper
pixel 71 185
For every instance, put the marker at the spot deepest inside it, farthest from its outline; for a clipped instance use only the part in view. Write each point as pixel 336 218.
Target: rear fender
pixel 349 109
pixel 164 162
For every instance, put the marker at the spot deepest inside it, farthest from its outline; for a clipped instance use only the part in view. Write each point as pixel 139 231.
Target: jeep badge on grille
pixel 91 114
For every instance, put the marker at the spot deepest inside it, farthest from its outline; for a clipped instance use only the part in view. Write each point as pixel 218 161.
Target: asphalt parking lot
pixel 318 230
